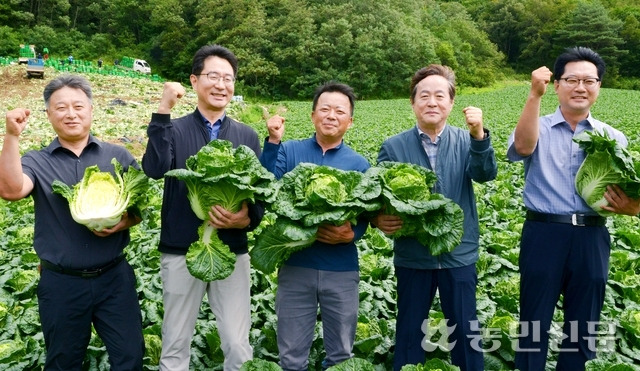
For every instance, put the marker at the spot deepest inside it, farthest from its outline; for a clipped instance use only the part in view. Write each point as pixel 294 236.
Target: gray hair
pixel 72 81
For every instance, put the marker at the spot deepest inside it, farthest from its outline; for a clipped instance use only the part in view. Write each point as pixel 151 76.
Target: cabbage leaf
pixel 278 241
pixel 308 196
pixel 100 198
pixel 219 174
pixel 209 258
pixel 316 194
pixel 434 220
pixel 606 163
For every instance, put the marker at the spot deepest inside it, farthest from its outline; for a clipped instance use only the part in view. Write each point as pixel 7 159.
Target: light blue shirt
pixel 550 171
pixel 214 128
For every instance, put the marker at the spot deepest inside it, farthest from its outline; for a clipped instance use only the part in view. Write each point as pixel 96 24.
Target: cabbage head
pixel 100 198
pixel 606 163
pixel 434 220
pixel 219 174
pixel 308 196
pixel 316 194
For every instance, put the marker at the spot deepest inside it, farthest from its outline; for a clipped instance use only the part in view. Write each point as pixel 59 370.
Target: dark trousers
pixel 68 305
pixel 416 290
pixel 560 259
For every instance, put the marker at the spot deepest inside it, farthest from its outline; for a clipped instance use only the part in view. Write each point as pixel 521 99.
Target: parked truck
pixel 139 65
pixel 26 51
pixel 35 67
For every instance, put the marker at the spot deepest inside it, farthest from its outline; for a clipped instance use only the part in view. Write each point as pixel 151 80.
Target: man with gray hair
pixel 85 279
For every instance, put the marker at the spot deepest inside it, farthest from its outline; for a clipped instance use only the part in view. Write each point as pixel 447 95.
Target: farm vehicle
pixel 35 67
pixel 138 65
pixel 26 51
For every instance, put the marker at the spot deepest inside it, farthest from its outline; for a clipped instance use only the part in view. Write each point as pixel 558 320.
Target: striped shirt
pixel 430 147
pixel 550 171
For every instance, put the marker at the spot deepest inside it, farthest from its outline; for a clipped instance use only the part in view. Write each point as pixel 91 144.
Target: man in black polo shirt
pixel 84 279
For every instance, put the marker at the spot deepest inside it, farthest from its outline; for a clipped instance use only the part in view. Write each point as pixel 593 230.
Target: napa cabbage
pixel 308 196
pixel 219 174
pixel 257 364
pixel 101 197
pixel 434 220
pixel 606 163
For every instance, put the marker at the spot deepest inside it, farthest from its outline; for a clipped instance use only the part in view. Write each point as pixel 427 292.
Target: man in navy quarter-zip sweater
pixel 171 142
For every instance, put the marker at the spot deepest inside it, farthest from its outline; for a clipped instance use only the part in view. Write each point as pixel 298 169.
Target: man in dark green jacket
pixel 458 158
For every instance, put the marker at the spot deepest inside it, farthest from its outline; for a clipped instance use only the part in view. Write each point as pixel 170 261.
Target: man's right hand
pixel 170 94
pixel 387 223
pixel 275 126
pixel 17 121
pixel 540 79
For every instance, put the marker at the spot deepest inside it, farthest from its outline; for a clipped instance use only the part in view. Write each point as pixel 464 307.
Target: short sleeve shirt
pixel 550 171
pixel 57 237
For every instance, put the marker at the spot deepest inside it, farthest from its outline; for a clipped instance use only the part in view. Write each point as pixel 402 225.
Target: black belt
pixel 84 273
pixel 580 220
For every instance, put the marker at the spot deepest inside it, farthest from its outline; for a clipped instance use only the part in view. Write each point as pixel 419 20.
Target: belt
pixel 84 273
pixel 580 220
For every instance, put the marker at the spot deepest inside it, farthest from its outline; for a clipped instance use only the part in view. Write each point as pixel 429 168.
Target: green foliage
pixel 431 365
pixel 278 42
pixel 589 25
pixel 499 203
pixel 260 365
pixel 434 220
pixel 308 196
pixel 353 364
pixel 606 163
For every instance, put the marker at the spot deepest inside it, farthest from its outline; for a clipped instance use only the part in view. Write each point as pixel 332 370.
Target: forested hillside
pixel 287 47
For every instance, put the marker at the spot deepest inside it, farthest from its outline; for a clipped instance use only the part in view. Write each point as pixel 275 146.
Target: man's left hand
pixel 127 221
pixel 333 234
pixel 619 202
pixel 473 117
pixel 221 218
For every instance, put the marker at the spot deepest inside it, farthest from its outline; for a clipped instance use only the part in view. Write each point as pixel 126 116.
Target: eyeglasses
pixel 573 82
pixel 215 77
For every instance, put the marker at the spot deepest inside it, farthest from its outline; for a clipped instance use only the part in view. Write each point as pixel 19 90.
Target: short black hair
pixel 213 50
pixel 331 87
pixel 578 54
pixel 66 80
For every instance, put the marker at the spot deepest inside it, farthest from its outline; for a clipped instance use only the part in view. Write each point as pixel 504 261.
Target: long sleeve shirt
pixel 170 143
pixel 461 160
pixel 282 158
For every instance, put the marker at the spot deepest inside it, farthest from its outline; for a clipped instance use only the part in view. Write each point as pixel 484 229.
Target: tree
pixel 630 33
pixel 589 25
pixel 504 21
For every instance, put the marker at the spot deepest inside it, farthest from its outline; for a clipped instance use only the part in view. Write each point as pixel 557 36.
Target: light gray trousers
pixel 300 292
pixel 182 297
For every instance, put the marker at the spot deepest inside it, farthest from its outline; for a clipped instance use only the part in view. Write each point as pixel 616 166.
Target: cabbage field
pixel 123 107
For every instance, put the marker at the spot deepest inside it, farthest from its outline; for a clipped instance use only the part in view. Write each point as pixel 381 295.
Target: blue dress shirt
pixel 550 171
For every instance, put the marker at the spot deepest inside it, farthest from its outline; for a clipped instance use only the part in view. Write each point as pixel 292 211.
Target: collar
pixel 55 144
pixel 315 140
pixel 557 118
pixel 438 135
pixel 218 121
